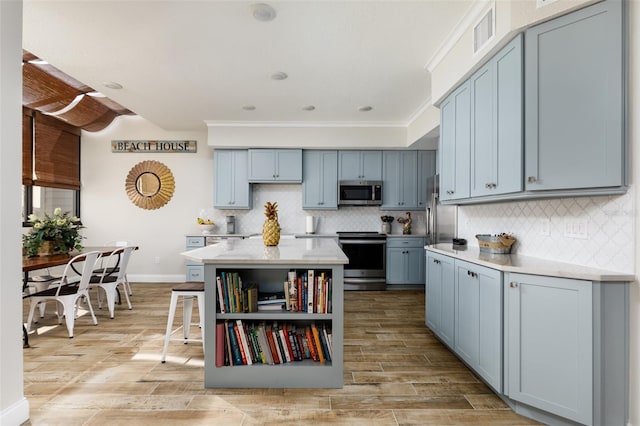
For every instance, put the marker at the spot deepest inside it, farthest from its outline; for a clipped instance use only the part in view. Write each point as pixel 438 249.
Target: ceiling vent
pixel 483 31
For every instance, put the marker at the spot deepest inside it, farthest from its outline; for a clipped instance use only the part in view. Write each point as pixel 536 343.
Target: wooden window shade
pixel 27 147
pixel 56 153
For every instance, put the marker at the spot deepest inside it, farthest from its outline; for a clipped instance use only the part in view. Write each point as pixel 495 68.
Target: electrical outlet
pixel 576 228
pixel 544 226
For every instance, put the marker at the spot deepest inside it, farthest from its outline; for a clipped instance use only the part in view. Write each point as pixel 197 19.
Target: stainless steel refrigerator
pixel 442 220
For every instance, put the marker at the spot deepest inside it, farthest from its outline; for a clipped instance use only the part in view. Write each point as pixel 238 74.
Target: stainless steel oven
pixel 367 254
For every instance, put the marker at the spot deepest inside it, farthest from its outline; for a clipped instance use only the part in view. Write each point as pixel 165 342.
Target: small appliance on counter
pixel 231 224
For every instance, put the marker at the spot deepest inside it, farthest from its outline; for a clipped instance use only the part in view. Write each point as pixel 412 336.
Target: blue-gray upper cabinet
pixel 358 165
pixel 455 146
pixel 496 123
pixel 550 345
pixel 231 185
pixel 478 320
pixel 574 94
pixel 439 295
pixel 399 180
pixel 320 180
pixel 275 165
pixel 426 168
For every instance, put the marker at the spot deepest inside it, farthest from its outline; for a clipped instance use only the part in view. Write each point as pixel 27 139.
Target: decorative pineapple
pixel 271 227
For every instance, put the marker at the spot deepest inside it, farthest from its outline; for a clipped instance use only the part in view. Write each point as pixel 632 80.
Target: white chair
pixel 113 268
pixel 109 278
pixel 68 293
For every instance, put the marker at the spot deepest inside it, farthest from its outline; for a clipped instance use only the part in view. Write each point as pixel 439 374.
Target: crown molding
pixel 472 15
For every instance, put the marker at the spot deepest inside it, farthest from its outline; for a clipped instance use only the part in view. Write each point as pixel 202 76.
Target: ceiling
pixel 184 63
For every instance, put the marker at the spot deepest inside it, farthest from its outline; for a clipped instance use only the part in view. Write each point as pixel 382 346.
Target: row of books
pixel 303 291
pixel 308 291
pixel 243 343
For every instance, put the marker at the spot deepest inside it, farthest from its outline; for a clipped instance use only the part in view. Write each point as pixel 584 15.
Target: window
pixel 41 199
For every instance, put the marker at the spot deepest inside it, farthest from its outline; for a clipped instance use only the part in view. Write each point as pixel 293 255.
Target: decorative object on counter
pixel 406 224
pixel 150 185
pixel 55 234
pixel 271 227
pixel 231 224
pixel 206 225
pixel 459 243
pixel 386 224
pixel 496 244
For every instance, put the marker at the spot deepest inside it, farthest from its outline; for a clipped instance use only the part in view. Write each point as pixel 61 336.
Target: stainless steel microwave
pixel 360 193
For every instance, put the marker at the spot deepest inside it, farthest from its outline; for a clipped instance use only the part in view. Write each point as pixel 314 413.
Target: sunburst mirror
pixel 150 185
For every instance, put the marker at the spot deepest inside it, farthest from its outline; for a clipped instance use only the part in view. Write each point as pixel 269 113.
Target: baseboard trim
pixel 142 278
pixel 15 414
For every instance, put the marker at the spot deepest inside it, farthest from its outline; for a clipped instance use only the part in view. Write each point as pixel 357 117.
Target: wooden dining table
pixel 34 263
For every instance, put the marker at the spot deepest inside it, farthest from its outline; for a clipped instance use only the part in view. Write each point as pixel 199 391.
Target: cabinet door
pixel 262 165
pixel 349 167
pixel 288 165
pixel 574 115
pixel 414 266
pixel 231 186
pixel 478 335
pixel 392 197
pixel 426 168
pixel 496 123
pixel 371 165
pixel 455 130
pixel 320 182
pixel 550 355
pixel 439 294
pixel 396 261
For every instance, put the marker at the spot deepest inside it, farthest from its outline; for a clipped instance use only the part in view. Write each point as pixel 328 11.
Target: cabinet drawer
pixel 195 273
pixel 193 242
pixel 405 242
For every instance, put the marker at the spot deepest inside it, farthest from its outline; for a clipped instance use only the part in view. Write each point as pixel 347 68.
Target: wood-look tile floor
pixel 395 373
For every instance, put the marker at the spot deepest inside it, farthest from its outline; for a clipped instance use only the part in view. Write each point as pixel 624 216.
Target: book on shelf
pixel 233 343
pixel 220 350
pixel 272 344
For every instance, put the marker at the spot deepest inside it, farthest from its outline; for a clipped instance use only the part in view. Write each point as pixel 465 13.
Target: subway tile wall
pixel 292 217
pixel 590 231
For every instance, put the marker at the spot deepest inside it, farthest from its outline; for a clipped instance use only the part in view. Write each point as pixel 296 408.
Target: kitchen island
pixel 268 268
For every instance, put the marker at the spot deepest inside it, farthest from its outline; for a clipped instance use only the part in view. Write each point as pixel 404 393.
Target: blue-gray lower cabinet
pixel 405 260
pixel 195 270
pixel 567 348
pixel 478 320
pixel 439 295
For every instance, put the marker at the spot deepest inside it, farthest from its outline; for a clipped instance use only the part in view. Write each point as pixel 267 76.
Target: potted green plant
pixel 54 234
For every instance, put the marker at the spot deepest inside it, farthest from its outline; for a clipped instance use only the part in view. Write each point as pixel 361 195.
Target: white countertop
pixel 291 251
pixel 530 265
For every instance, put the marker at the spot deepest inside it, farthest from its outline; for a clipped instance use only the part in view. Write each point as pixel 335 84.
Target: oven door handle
pixel 363 242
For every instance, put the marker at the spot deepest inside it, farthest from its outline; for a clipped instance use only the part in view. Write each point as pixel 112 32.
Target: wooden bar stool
pixel 188 292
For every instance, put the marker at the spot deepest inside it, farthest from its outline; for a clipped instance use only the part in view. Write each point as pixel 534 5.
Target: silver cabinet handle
pixel 513 285
pixel 531 179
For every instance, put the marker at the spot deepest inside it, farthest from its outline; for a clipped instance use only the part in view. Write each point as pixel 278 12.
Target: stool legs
pixel 187 314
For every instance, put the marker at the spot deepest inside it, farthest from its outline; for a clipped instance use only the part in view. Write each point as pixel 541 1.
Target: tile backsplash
pixel 590 231
pixel 292 217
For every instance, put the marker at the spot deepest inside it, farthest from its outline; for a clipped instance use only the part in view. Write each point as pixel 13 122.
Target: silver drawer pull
pixel 531 179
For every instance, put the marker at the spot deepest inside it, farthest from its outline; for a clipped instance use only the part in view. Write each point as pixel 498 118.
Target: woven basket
pixel 496 244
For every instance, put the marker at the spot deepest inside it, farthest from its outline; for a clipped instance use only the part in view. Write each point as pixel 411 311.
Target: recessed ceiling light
pixel 365 108
pixel 263 12
pixel 112 85
pixel 279 75
pixel 308 107
pixel 248 107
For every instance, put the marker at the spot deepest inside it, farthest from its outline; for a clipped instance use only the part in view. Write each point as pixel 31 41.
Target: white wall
pixel 108 214
pixel 14 408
